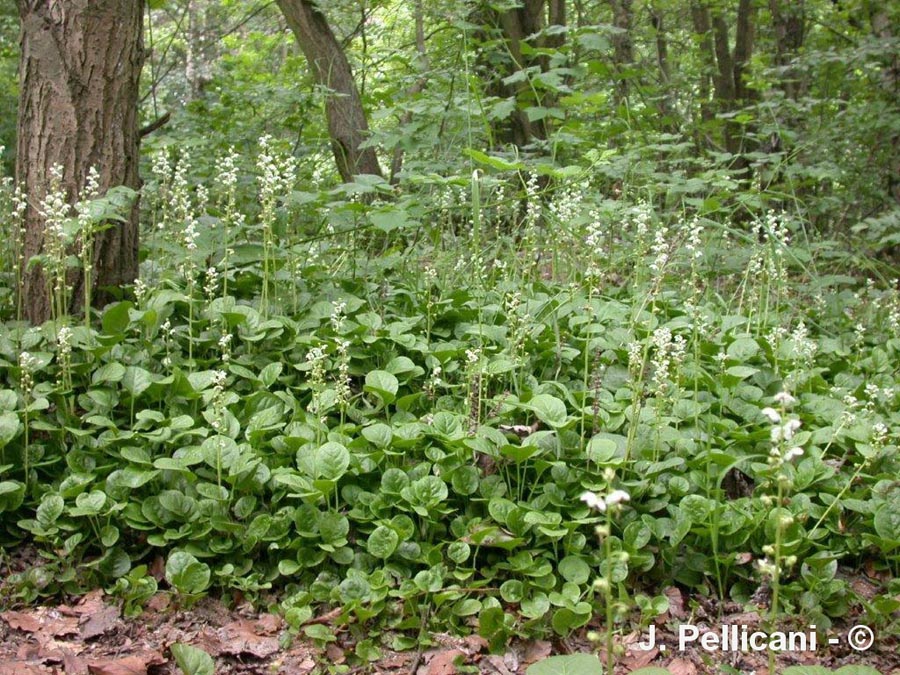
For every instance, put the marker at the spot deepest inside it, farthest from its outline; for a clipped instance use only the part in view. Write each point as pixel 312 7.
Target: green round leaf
pixel 382 542
pixel 185 573
pixel 549 410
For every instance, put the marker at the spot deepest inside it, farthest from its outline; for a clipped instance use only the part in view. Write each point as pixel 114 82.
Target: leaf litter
pixel 91 637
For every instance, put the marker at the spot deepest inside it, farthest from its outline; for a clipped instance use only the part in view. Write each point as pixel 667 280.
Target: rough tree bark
pixel 79 71
pixel 347 123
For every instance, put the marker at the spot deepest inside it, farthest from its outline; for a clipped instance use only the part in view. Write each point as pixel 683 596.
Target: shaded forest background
pixel 740 105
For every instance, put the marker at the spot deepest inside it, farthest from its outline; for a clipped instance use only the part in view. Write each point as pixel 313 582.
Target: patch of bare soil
pixel 91 637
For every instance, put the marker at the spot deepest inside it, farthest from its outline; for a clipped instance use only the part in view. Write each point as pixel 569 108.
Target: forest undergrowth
pixel 506 403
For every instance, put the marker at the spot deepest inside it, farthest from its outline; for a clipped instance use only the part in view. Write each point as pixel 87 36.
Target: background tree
pixel 80 69
pixel 347 123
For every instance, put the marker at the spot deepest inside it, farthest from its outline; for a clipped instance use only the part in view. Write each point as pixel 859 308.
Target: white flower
pixel 785 431
pixel 792 454
pixel 773 415
pixel 617 497
pixel 593 500
pixel 785 399
pixel 790 427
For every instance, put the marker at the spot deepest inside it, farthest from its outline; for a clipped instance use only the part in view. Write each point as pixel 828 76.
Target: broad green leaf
pixel 88 503
pixel 492 161
pixel 136 380
pixel 186 574
pixel 602 450
pixel 110 372
pixel 193 661
pixel 428 581
pixel 382 542
pixel 389 218
pixel 741 372
pixel 568 664
pixel 269 375
pixel 383 384
pixel 50 509
pixel 378 434
pixel 742 349
pixel 12 494
pixel 574 569
pixel 549 409
pixel 9 427
pixel 327 462
pixel 9 400
pixel 887 523
pixel 116 318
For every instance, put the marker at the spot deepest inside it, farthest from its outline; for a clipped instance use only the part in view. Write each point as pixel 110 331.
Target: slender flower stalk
pixel 609 504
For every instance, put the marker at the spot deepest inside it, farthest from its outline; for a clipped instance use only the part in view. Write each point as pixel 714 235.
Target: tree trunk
pixel 662 61
pixel 517 25
pixel 728 65
pixel 79 72
pixel 347 124
pixel 883 28
pixel 700 17
pixel 622 44
pixel 197 58
pixel 789 23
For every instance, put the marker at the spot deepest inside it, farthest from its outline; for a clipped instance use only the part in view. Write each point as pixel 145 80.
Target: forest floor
pixel 90 636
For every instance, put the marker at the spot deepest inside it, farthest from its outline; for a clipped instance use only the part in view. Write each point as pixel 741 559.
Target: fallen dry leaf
pixel 676 602
pixel 99 622
pixel 335 654
pixel 268 624
pixel 864 588
pixel 682 667
pixel 90 603
pixel 749 619
pixel 22 621
pixel 475 644
pixel 135 664
pixel 20 668
pixel 444 662
pixel 159 602
pixel 73 663
pixel 59 625
pixel 638 658
pixel 498 663
pixel 536 651
pixel 239 637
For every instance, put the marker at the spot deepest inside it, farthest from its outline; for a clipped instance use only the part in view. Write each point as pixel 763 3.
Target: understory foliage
pixel 501 402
